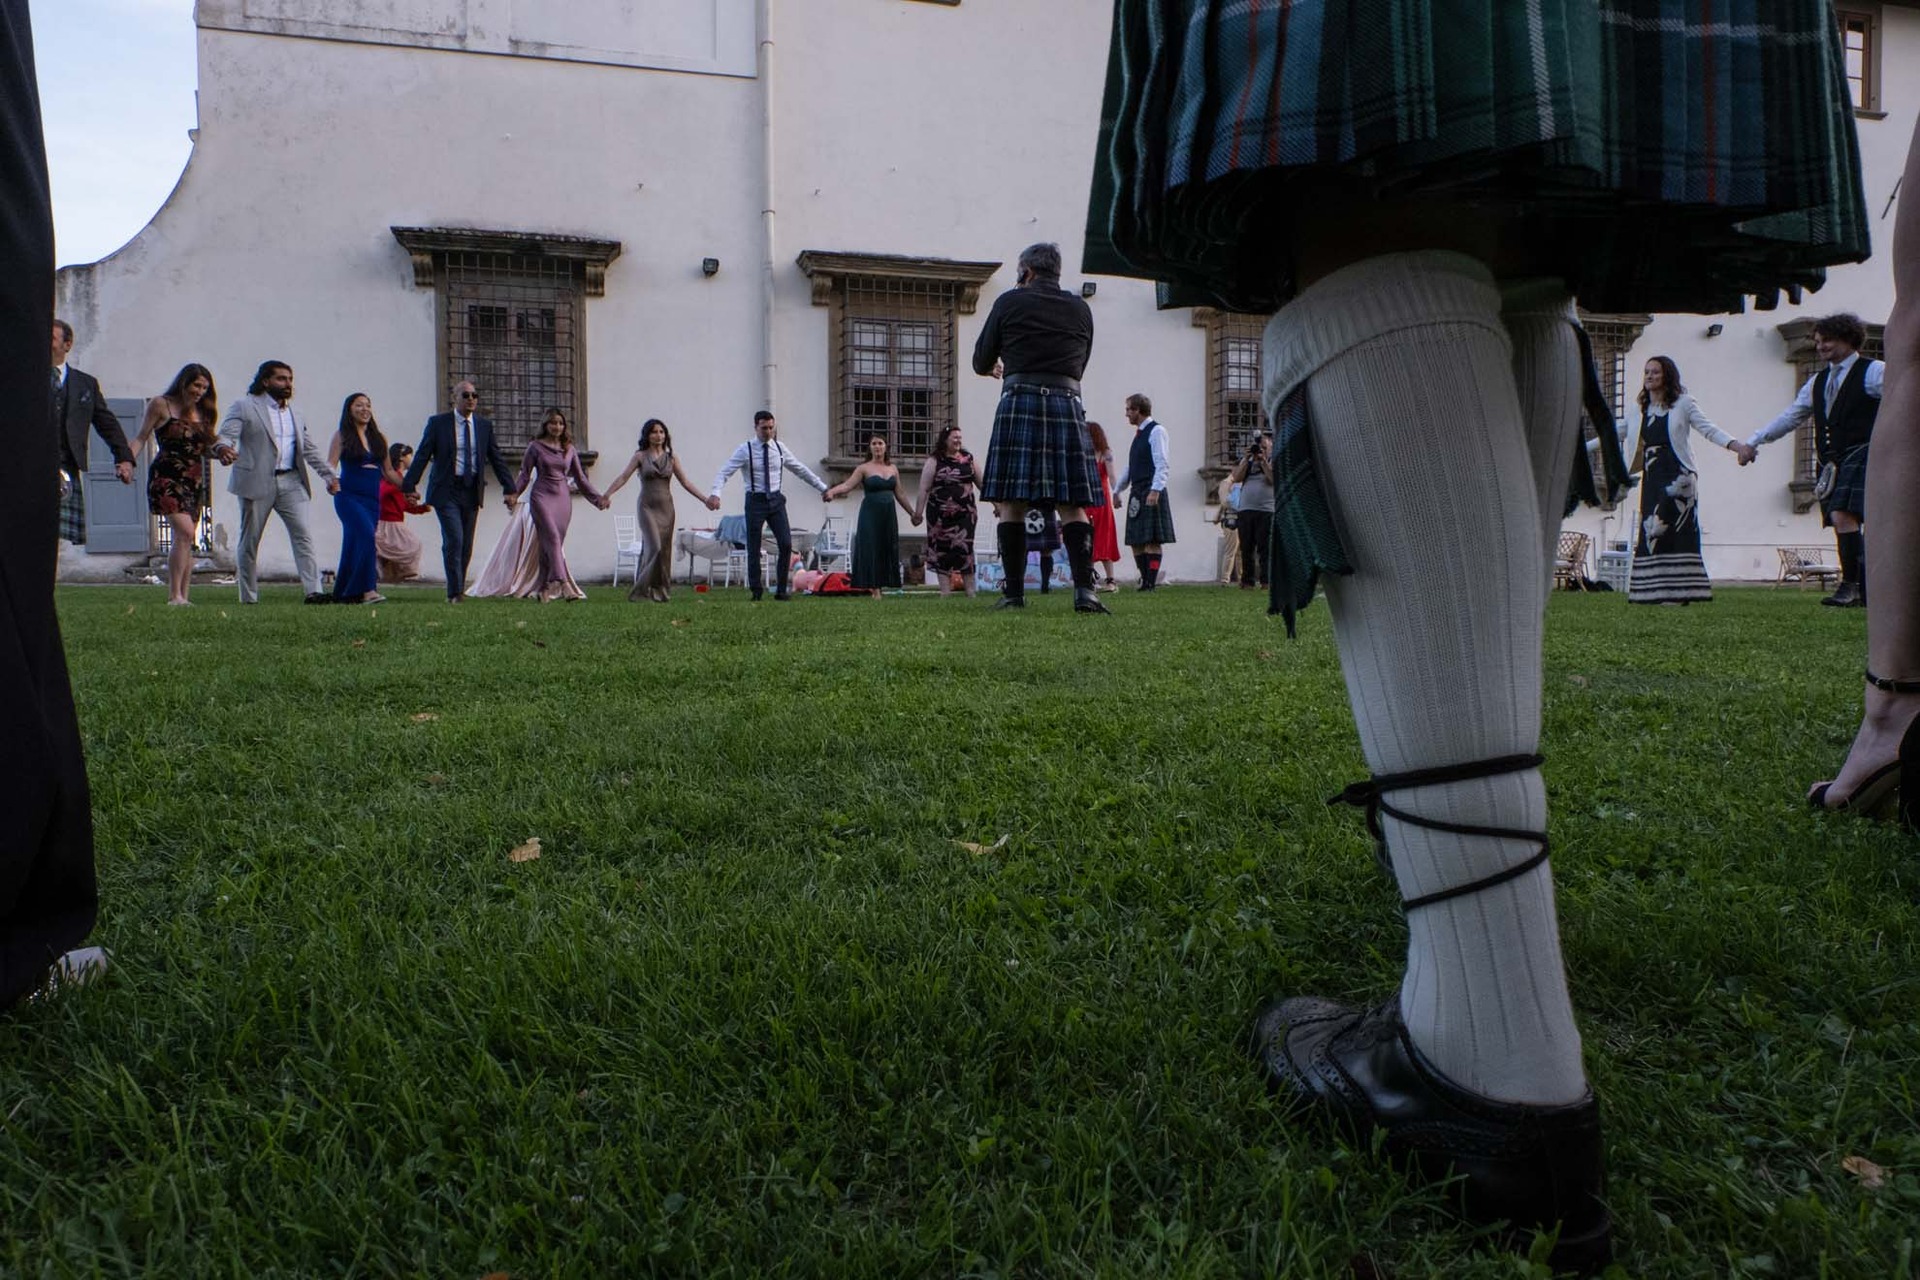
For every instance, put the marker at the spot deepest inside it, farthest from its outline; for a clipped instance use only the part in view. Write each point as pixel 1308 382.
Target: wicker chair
pixel 1804 565
pixel 1570 561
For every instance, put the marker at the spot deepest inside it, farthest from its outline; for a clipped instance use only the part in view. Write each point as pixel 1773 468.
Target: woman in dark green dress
pixel 876 537
pixel 1419 192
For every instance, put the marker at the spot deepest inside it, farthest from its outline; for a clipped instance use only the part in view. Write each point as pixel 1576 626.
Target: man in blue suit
pixel 458 445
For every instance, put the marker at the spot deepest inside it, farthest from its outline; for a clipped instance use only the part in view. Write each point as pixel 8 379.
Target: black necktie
pixel 766 466
pixel 466 431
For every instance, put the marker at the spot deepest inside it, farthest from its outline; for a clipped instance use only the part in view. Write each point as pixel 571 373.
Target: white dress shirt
pixel 284 435
pixel 763 461
pixel 1802 407
pixel 1157 442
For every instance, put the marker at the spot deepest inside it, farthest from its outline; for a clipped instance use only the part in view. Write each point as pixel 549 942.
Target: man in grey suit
pixel 264 439
pixel 78 407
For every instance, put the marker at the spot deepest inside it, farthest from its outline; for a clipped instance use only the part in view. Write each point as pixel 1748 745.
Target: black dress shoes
pixel 319 597
pixel 1010 602
pixel 1530 1166
pixel 1086 600
pixel 781 596
pixel 1847 595
pixel 756 595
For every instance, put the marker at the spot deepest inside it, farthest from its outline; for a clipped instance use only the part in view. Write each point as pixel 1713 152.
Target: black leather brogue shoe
pixel 1532 1167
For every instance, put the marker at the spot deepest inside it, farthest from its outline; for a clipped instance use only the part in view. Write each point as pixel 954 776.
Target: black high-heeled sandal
pixel 1531 1167
pixel 1890 793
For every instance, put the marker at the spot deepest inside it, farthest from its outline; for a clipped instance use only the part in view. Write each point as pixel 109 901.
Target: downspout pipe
pixel 769 369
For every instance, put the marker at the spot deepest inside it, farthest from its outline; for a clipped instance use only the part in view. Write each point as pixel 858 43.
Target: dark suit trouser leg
pixel 455 540
pixel 782 542
pixel 47 895
pixel 471 507
pixel 758 512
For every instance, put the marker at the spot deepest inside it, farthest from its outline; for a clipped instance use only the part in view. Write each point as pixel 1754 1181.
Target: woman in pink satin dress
pixel 549 464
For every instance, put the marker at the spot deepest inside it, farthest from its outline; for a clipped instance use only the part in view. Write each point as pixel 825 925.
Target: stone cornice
pixel 422 243
pixel 825 268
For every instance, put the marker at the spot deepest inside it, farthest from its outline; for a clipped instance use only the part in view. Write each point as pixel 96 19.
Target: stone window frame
pixel 1863 18
pixel 1232 386
pixel 952 286
pixel 581 259
pixel 1798 334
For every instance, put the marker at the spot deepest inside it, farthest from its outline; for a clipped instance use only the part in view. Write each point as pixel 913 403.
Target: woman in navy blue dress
pixel 359 454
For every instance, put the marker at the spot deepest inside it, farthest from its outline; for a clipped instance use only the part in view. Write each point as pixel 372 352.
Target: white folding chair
pixel 626 547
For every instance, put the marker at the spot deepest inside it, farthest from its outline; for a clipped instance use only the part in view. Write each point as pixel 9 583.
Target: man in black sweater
pixel 47 897
pixel 1036 341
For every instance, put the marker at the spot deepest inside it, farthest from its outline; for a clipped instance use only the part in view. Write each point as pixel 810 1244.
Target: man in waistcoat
pixel 1037 340
pixel 1142 489
pixel 1843 399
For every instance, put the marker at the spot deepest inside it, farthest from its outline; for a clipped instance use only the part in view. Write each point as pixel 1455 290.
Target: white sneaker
pixel 78 968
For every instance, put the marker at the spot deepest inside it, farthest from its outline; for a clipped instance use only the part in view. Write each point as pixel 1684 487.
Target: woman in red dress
pixel 1106 538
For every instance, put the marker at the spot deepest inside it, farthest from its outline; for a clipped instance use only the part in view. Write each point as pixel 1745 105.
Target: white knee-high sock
pixel 1547 375
pixel 1424 458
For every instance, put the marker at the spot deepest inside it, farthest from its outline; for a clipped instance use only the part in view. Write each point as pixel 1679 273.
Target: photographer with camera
pixel 1254 510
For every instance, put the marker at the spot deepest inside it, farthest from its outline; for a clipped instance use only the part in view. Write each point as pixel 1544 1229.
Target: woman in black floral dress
pixel 181 420
pixel 947 486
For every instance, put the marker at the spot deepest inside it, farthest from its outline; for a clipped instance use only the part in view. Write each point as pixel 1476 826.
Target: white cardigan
pixel 1684 414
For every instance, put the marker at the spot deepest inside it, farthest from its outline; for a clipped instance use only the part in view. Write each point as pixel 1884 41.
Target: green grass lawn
pixel 756 1009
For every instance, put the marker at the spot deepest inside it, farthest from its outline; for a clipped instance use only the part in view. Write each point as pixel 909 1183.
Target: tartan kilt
pixel 1147 525
pixel 73 511
pixel 1849 486
pixel 1659 155
pixel 1040 450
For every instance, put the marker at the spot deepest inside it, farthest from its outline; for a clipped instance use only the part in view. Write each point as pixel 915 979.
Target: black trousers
pixel 1256 545
pixel 768 511
pixel 47 896
pixel 457 513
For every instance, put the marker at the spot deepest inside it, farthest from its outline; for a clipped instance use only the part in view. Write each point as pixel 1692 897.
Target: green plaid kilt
pixel 1849 485
pixel 1663 155
pixel 1147 525
pixel 1040 450
pixel 73 511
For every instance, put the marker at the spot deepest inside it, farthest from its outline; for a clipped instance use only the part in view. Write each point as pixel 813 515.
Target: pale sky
pixel 116 93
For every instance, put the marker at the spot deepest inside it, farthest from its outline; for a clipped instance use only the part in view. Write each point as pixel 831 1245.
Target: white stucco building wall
pixel 898 127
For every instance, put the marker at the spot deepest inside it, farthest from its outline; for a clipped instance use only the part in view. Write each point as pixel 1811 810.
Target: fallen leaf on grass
pixel 678 622
pixel 1580 682
pixel 421 717
pixel 539 644
pixel 520 626
pixel 433 624
pixel 434 779
pixel 1871 1175
pixel 525 852
pixel 130 609
pixel 359 644
pixel 496 1275
pixel 1265 655
pixel 981 849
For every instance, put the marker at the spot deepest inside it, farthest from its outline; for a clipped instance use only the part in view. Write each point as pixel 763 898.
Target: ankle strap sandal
pixel 1892 686
pixel 1370 796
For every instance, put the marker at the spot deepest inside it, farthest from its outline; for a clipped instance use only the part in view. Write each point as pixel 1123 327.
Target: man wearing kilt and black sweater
pixel 1036 341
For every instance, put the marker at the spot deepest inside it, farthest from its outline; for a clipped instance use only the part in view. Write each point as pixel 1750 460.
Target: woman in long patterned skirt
pixel 1419 192
pixel 948 484
pixel 1667 568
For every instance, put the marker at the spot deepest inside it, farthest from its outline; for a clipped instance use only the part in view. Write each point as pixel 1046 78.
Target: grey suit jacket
pixel 248 427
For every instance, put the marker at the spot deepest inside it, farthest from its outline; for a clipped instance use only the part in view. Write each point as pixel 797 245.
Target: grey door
pixel 117 519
